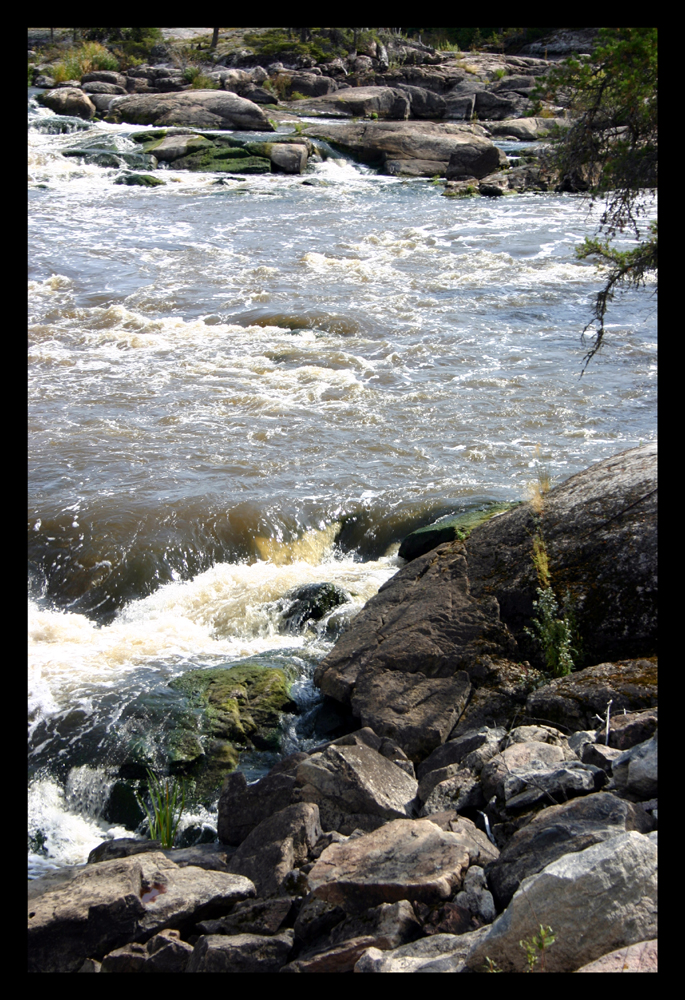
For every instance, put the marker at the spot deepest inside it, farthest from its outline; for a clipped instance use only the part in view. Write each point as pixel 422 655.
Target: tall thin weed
pixel 166 808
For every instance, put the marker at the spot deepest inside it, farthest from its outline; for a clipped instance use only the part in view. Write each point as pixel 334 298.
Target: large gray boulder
pixel 241 953
pixel 635 770
pixel 278 845
pixel 433 143
pixel 207 109
pixel 440 649
pixel 560 830
pixel 107 905
pixel 438 953
pixel 595 901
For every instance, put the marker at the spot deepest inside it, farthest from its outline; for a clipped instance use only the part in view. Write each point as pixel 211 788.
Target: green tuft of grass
pixel 166 808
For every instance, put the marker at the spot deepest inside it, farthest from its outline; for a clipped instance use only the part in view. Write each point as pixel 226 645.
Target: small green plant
pixel 166 808
pixel 297 96
pixel 555 632
pixel 191 73
pixel 500 74
pixel 202 82
pixel 535 948
pixel 374 116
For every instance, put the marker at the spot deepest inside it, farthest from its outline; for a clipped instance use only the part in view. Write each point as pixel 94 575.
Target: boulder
pixel 423 103
pixel 628 729
pixel 206 109
pixel 481 851
pixel 559 830
pixel 576 701
pixel 452 787
pixel 381 142
pixel 252 916
pixel 68 101
pixel 242 807
pixel 642 957
pixel 104 76
pixel 526 129
pixel 437 953
pixel 506 104
pixel 474 747
pixel 107 905
pixel 351 782
pixel 139 180
pixel 308 84
pixel 600 534
pixel 447 529
pixel 165 952
pixel 596 900
pixel 635 771
pixel 241 953
pixel 459 107
pixel 359 102
pixel 405 859
pixel 275 847
pixel 172 147
pixel 387 926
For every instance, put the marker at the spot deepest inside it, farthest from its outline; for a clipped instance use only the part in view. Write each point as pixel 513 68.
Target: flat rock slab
pixel 110 904
pixel 405 859
pixel 575 701
pixel 206 109
pixel 241 953
pixel 642 957
pixel 597 900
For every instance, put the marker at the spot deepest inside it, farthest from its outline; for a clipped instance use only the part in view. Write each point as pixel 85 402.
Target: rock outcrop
pixel 208 109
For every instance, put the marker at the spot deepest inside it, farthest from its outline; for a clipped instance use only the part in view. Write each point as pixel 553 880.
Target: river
pixel 236 388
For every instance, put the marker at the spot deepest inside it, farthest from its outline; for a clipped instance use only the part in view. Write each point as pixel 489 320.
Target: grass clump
pixel 86 58
pixel 166 808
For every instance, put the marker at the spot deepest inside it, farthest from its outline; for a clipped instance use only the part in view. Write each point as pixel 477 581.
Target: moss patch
pixel 227 159
pixel 447 529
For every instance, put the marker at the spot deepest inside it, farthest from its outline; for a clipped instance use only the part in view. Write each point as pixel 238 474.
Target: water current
pixel 237 387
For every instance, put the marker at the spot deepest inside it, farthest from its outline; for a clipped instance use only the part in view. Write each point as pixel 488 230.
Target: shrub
pixel 89 56
pixel 555 632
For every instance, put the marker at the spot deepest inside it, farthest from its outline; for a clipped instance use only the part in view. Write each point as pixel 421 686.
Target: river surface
pixel 237 388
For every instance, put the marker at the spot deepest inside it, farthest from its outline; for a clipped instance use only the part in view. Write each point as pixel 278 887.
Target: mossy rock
pixel 155 135
pixel 236 708
pixel 140 180
pixel 225 159
pixel 447 529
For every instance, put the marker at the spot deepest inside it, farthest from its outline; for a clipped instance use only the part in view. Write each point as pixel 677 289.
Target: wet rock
pixel 596 900
pixel 205 109
pixel 560 830
pixel 642 957
pixel 275 847
pixel 577 700
pixel 139 180
pixel 223 159
pixel 313 601
pixel 352 781
pixel 68 101
pixel 447 529
pixel 165 952
pixel 172 147
pixel 108 905
pixel 405 859
pixel 241 953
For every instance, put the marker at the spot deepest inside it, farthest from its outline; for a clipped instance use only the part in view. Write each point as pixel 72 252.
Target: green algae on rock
pixel 447 529
pixel 229 709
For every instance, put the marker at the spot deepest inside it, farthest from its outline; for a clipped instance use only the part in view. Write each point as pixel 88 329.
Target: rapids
pixel 239 387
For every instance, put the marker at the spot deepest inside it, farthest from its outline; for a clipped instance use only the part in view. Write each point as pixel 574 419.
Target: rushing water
pixel 239 387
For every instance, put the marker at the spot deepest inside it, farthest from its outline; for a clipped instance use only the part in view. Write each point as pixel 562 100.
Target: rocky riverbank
pixel 470 800
pixel 432 115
